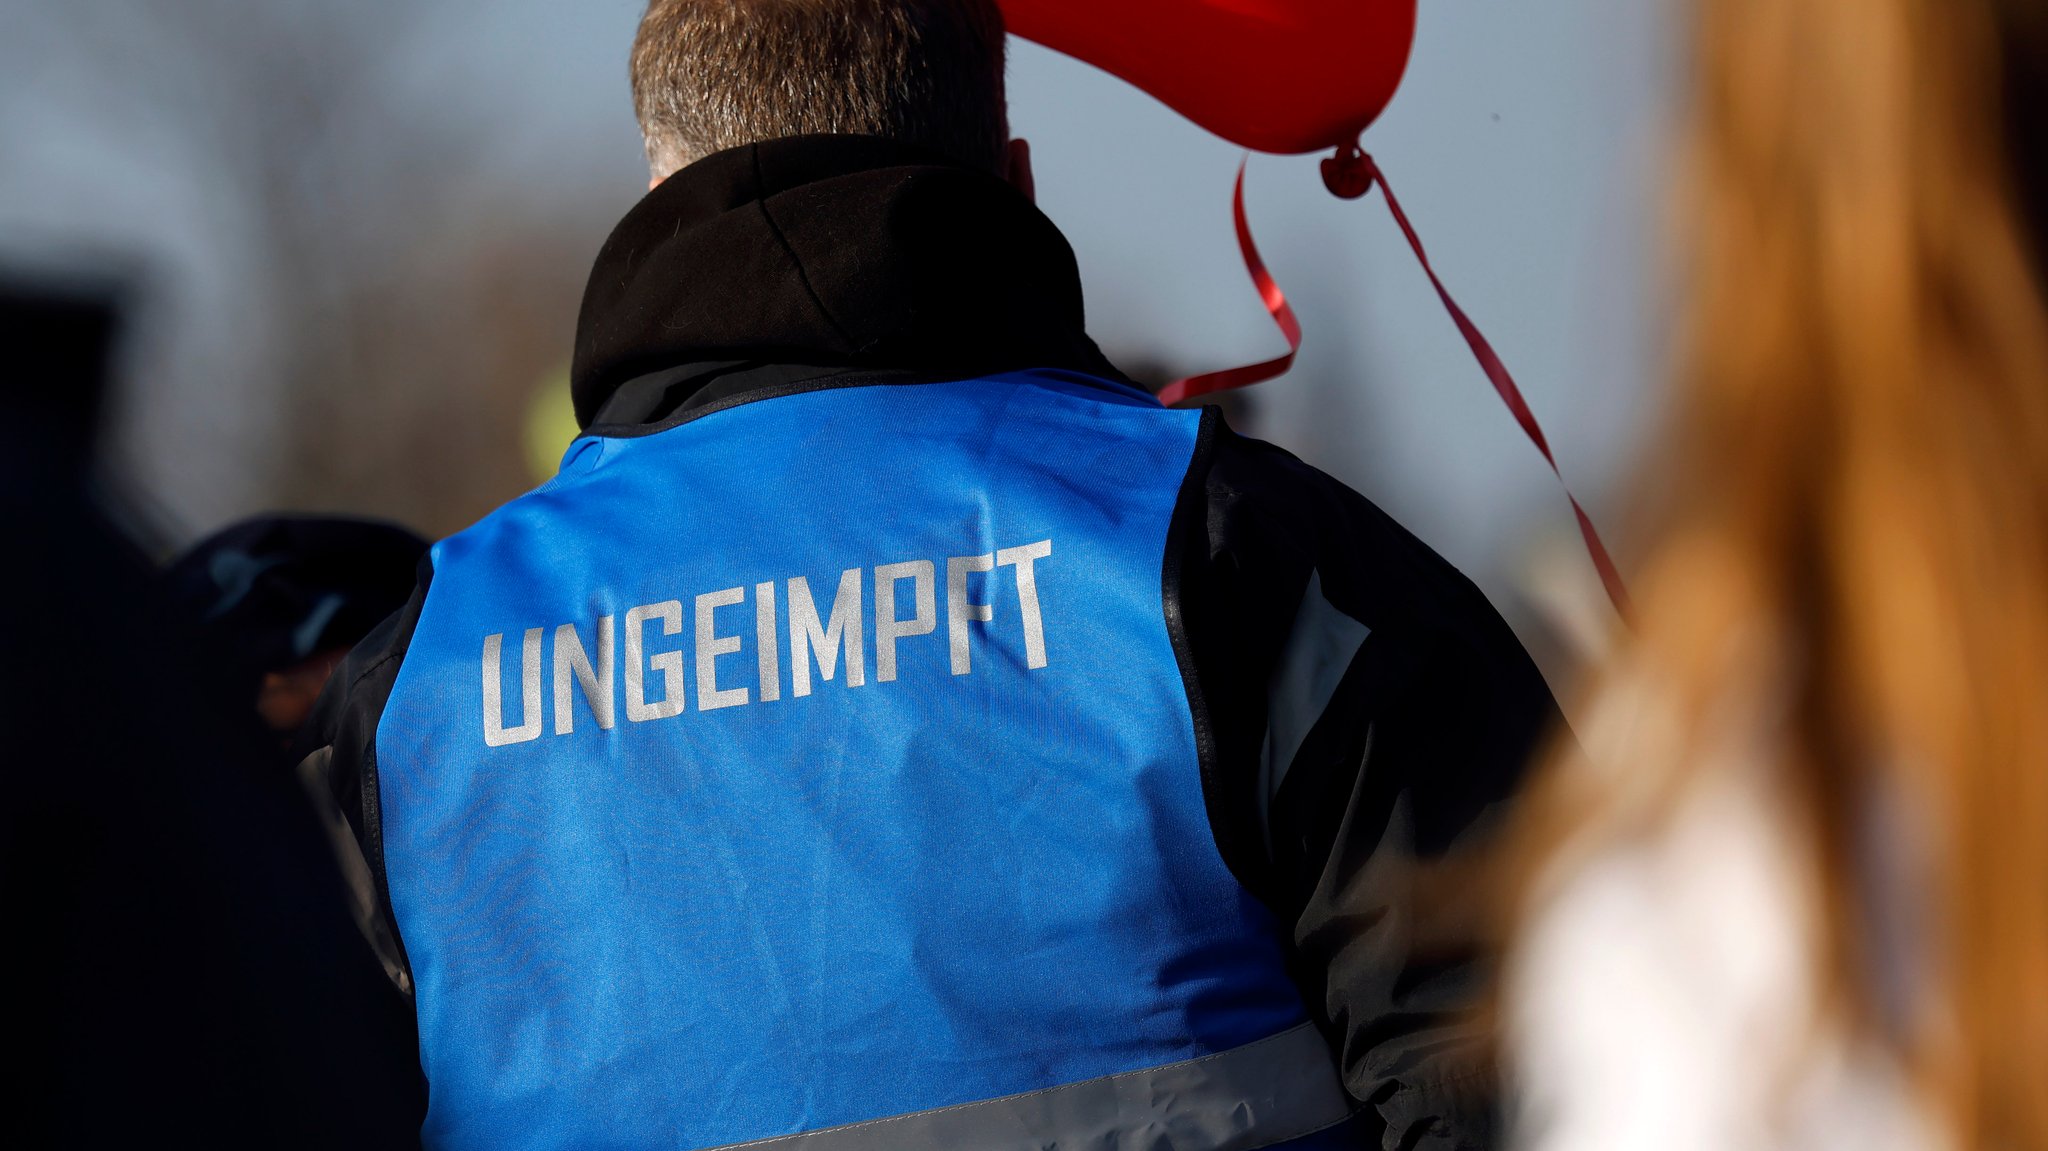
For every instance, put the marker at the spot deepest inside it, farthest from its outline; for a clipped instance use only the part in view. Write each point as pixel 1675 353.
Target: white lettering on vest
pixel 960 611
pixel 767 648
pixel 924 617
pixel 496 734
pixel 668 663
pixel 711 645
pixel 819 645
pixel 806 634
pixel 1023 560
pixel 571 659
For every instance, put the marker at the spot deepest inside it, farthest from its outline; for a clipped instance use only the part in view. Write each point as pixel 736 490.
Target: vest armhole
pixel 369 696
pixel 1185 575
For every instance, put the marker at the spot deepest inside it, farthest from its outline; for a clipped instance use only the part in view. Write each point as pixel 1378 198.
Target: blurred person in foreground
pixel 891 727
pixel 1795 891
pixel 278 601
pixel 188 972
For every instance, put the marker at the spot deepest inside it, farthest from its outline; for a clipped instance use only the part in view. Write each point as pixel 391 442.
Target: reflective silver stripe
pixel 1263 1093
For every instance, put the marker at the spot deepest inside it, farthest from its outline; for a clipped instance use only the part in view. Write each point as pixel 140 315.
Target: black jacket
pixel 816 262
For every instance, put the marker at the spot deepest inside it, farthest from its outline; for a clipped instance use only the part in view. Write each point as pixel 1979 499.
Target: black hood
pixel 842 251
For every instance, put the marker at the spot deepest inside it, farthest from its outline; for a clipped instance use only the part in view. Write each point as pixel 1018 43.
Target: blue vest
pixel 823 767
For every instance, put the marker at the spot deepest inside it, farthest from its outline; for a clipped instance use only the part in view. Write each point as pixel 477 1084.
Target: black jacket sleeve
pixel 337 757
pixel 1362 711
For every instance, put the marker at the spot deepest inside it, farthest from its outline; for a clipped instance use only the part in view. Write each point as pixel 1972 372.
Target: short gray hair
pixel 715 74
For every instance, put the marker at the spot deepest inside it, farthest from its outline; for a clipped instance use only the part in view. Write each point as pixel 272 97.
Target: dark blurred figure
pixel 278 601
pixel 191 976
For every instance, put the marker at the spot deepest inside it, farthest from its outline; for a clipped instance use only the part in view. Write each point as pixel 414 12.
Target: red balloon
pixel 1273 75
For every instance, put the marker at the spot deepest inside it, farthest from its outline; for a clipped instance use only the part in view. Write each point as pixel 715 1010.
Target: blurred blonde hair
pixel 1856 505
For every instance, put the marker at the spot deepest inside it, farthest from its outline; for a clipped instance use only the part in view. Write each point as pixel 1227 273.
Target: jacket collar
pixel 846 251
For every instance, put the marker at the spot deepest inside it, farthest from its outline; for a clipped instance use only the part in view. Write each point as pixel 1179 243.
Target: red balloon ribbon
pixel 1352 174
pixel 1276 304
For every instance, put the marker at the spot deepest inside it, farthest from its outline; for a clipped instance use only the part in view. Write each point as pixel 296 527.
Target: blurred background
pixel 353 235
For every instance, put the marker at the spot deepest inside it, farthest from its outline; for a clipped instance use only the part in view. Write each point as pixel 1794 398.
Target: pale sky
pixel 1526 144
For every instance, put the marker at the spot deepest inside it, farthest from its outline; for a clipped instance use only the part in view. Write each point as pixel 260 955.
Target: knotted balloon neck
pixel 1350 174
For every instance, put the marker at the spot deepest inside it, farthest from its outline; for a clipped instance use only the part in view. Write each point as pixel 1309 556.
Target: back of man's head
pixel 715 74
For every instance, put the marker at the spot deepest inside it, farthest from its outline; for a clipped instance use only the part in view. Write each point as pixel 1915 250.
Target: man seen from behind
pixel 892 728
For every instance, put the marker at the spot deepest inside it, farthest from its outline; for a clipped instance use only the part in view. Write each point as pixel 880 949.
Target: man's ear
pixel 1017 168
